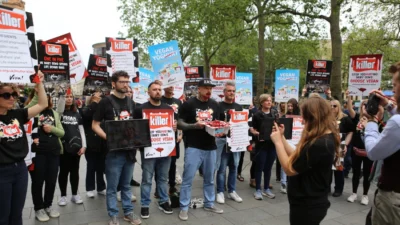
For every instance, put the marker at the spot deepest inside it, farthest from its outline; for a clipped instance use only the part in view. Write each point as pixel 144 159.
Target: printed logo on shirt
pixel 49 120
pixel 12 131
pixel 124 115
pixel 175 107
pixel 204 115
pixel 69 120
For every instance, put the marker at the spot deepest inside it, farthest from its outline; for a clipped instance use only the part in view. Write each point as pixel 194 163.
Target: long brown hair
pixel 318 117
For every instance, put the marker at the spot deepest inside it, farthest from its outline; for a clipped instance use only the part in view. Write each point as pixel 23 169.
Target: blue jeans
pixel 283 177
pixel 13 187
pixel 225 160
pixel 119 169
pixel 264 161
pixel 161 165
pixel 195 157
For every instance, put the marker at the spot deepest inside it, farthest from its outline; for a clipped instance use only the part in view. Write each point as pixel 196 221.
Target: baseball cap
pixel 206 82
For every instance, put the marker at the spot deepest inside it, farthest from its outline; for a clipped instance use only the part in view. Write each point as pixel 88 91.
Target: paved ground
pixel 249 212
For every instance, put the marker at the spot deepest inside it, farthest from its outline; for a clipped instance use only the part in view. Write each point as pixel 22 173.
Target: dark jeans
pixel 13 187
pixel 307 214
pixel 45 172
pixel 278 170
pixel 253 166
pixel 264 160
pixel 367 165
pixel 95 171
pixel 348 160
pixel 240 166
pixel 69 165
pixel 339 181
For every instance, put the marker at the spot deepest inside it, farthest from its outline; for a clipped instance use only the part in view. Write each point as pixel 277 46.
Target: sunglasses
pixel 8 95
pixel 333 106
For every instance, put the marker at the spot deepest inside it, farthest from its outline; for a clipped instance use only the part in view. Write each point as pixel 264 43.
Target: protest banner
pixel 161 133
pixel 238 140
pixel 77 69
pixel 139 90
pixel 365 74
pixel 18 58
pixel 123 54
pixel 167 63
pixel 244 88
pixel 297 128
pixel 220 74
pixel 193 75
pixel 98 79
pixel 318 77
pixel 286 84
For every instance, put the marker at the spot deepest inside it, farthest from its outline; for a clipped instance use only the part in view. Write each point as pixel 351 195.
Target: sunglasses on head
pixel 333 106
pixel 8 95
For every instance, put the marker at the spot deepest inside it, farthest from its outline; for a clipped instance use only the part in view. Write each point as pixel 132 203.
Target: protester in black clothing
pixel 95 152
pixel 74 145
pixel 46 133
pixel 346 127
pixel 309 166
pixel 13 149
pixel 119 164
pixel 252 111
pixel 175 104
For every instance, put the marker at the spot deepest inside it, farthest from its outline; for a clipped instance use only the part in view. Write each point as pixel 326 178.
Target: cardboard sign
pixel 193 75
pixel 318 75
pixel 123 54
pixel 298 128
pixel 238 139
pixel 365 74
pixel 161 133
pixel 98 79
pixel 220 74
pixel 244 88
pixel 286 85
pixel 18 58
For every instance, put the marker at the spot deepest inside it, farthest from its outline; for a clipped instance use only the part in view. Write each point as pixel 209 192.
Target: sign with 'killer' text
pixel 238 139
pixel 17 46
pixel 244 88
pixel 286 85
pixel 220 74
pixel 98 79
pixel 167 63
pixel 365 74
pixel 318 76
pixel 161 133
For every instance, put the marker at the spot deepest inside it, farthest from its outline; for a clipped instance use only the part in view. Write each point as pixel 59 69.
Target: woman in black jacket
pixel 95 156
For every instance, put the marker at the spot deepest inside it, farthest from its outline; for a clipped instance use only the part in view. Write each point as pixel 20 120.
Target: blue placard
pixel 140 89
pixel 244 88
pixel 286 85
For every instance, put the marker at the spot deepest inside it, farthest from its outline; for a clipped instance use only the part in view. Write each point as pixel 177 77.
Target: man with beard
pixel 201 150
pixel 175 104
pixel 225 159
pixel 118 164
pixel 150 165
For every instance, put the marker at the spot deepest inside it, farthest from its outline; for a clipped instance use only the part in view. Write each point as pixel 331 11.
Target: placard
pixel 286 85
pixel 77 69
pixel 123 54
pixel 193 75
pixel 244 88
pixel 268 122
pixel 18 58
pixel 365 74
pixel 220 74
pixel 54 64
pixel 98 79
pixel 318 77
pixel 161 133
pixel 297 129
pixel 139 90
pixel 238 139
pixel 167 63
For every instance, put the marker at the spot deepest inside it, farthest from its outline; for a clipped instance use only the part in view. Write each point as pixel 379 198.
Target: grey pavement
pixel 249 212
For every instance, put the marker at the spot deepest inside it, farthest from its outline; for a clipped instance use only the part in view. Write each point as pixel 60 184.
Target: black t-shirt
pixel 257 125
pixel 224 110
pixel 138 113
pixel 174 103
pixel 314 167
pixel 70 121
pixel 105 110
pixel 48 142
pixel 13 142
pixel 194 110
pixel 357 141
pixel 346 126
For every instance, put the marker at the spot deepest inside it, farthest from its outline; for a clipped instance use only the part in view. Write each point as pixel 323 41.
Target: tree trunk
pixel 206 66
pixel 336 38
pixel 261 51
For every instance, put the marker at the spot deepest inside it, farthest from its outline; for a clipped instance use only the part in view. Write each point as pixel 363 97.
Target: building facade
pixel 99 49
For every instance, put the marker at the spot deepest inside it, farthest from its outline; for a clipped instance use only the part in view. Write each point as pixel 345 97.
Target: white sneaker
pixel 235 197
pixel 364 200
pixel 133 198
pixel 76 199
pixel 119 196
pixel 63 201
pixel 352 198
pixel 221 198
pixel 103 192
pixel 178 178
pixel 283 189
pixel 90 194
pixel 53 213
pixel 42 216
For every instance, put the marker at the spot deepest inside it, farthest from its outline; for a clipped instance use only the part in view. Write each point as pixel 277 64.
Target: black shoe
pixel 156 195
pixel 135 183
pixel 172 190
pixel 166 208
pixel 336 194
pixel 144 213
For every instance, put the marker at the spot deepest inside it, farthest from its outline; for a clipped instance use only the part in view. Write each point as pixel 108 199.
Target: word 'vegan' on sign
pixel 12 20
